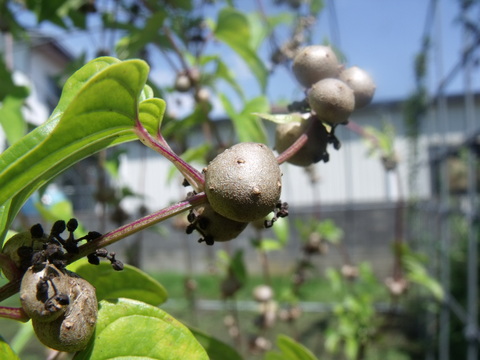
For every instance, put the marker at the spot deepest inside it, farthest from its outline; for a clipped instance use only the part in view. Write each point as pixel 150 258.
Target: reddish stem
pixel 13 314
pixel 295 147
pixel 193 176
pixel 138 225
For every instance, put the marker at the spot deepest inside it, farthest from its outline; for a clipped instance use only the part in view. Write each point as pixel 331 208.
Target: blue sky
pixel 381 36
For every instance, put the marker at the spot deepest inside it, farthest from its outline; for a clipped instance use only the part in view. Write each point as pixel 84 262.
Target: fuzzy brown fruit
pixel 215 227
pixel 183 83
pixel 23 241
pixel 314 63
pixel 62 305
pixel 243 183
pixel 314 150
pixel 361 83
pixel 332 100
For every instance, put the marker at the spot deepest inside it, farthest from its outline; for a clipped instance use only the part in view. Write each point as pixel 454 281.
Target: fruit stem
pixel 13 314
pixel 193 176
pixel 138 225
pixel 296 146
pixel 122 232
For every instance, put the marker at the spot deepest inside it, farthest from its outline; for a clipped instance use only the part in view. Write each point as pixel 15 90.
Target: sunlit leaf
pixel 129 329
pixel 87 119
pixel 130 282
pixel 248 127
pixel 281 118
pixel 233 28
pixel 282 230
pixel 11 118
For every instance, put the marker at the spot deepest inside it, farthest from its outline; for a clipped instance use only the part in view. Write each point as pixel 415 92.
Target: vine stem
pixel 193 176
pixel 111 237
pixel 13 313
pixel 138 225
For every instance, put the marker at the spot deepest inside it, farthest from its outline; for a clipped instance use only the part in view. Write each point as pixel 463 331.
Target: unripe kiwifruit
pixel 361 83
pixel 332 100
pixel 314 63
pixel 243 183
pixel 215 227
pixel 314 149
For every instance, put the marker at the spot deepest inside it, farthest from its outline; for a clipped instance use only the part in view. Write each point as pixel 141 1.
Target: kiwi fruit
pixel 332 100
pixel 314 63
pixel 72 330
pixel 41 291
pixel 213 226
pixel 63 307
pixel 243 183
pixel 314 150
pixel 361 83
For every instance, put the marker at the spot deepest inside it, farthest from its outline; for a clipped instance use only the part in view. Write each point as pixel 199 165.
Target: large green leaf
pixel 233 28
pixel 129 329
pixel 129 283
pixel 216 349
pixel 97 109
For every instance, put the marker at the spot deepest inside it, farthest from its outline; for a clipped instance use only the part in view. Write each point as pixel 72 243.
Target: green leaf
pixel 129 283
pixel 247 126
pixel 293 350
pixel 316 6
pixel 97 109
pixel 233 28
pixel 11 118
pixel 152 112
pixel 270 245
pixel 216 349
pixel 226 74
pixel 328 230
pixel 138 38
pixel 417 273
pixel 6 352
pixel 281 230
pixel 7 86
pixel 129 329
pixel 259 31
pixel 237 266
pixel 281 118
pixel 62 210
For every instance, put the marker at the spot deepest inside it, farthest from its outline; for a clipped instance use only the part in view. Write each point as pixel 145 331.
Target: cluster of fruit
pixel 242 184
pixel 332 94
